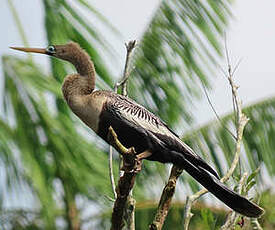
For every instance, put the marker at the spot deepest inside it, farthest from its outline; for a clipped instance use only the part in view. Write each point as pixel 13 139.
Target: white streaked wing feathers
pixel 149 123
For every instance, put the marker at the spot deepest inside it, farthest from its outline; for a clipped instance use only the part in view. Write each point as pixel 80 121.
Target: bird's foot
pixel 130 161
pixel 138 165
pixel 128 168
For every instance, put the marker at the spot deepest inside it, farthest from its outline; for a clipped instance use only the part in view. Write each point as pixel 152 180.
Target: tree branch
pixel 166 198
pixel 111 173
pixel 241 121
pixel 123 83
pixel 126 182
pixel 129 211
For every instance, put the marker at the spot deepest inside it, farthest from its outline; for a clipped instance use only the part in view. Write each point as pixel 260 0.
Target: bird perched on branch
pixel 135 126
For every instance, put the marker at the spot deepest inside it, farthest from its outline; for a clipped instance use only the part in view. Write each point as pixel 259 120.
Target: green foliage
pixel 208 219
pixel 75 28
pixel 56 150
pixel 180 41
pixel 39 126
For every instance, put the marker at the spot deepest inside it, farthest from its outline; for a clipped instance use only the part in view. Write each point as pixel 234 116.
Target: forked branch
pixel 129 217
pixel 126 182
pixel 241 121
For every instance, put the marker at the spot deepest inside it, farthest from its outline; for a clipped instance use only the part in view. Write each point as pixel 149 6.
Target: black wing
pixel 138 127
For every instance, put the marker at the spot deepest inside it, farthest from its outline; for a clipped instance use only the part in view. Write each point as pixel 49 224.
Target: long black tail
pixel 232 199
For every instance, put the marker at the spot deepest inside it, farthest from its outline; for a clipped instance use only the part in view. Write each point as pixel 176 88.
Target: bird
pixel 135 126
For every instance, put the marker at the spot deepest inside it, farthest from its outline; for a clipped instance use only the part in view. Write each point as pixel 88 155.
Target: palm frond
pixel 50 149
pixel 178 50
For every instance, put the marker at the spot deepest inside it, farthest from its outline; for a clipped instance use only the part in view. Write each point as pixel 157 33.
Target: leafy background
pixel 50 157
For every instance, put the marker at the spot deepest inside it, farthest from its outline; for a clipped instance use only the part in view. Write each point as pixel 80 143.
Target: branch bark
pixel 166 198
pixel 125 183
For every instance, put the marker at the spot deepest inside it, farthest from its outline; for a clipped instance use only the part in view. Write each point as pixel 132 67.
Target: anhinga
pixel 135 126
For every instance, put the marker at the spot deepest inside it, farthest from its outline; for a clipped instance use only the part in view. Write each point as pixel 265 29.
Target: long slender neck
pixel 84 66
pixel 80 84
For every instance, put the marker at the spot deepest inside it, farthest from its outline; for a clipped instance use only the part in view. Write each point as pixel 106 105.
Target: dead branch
pixel 166 198
pixel 126 182
pixel 241 121
pixel 123 83
pixel 130 205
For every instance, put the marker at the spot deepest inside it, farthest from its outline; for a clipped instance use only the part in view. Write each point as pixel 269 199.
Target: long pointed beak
pixel 32 50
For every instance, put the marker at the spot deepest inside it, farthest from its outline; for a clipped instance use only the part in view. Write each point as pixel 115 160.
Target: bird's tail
pixel 232 199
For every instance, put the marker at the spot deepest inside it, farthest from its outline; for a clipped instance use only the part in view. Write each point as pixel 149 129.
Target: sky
pixel 251 37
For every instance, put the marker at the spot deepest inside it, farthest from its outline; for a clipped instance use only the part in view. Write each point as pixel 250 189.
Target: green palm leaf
pixel 179 48
pixel 49 149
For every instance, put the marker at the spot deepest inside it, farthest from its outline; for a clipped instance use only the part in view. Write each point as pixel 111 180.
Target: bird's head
pixel 66 52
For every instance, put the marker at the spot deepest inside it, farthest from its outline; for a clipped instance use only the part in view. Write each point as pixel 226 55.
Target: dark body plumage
pixel 135 126
pixel 125 116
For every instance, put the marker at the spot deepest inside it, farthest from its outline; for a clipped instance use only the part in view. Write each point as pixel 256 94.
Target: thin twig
pixel 241 121
pixel 166 198
pixel 215 112
pixel 123 83
pixel 126 182
pixel 255 224
pixel 111 173
pixel 237 66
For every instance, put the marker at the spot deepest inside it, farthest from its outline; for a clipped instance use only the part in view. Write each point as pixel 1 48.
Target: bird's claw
pixel 134 166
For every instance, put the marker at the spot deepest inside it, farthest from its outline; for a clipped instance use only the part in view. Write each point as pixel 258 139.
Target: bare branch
pixel 130 218
pixel 111 173
pixel 126 182
pixel 123 83
pixel 166 198
pixel 241 121
pixel 256 225
pixel 215 112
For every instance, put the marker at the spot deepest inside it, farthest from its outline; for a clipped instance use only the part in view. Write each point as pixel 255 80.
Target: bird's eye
pixel 51 50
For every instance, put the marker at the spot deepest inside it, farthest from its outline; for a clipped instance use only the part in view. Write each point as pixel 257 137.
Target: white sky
pixel 251 37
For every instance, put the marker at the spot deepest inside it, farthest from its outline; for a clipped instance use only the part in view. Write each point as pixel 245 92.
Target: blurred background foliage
pixel 48 154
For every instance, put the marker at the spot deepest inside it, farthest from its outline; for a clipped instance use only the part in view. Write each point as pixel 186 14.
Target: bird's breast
pixel 88 108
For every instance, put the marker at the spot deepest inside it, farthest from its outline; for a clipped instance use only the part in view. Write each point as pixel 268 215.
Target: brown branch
pixel 129 217
pixel 126 182
pixel 215 112
pixel 166 198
